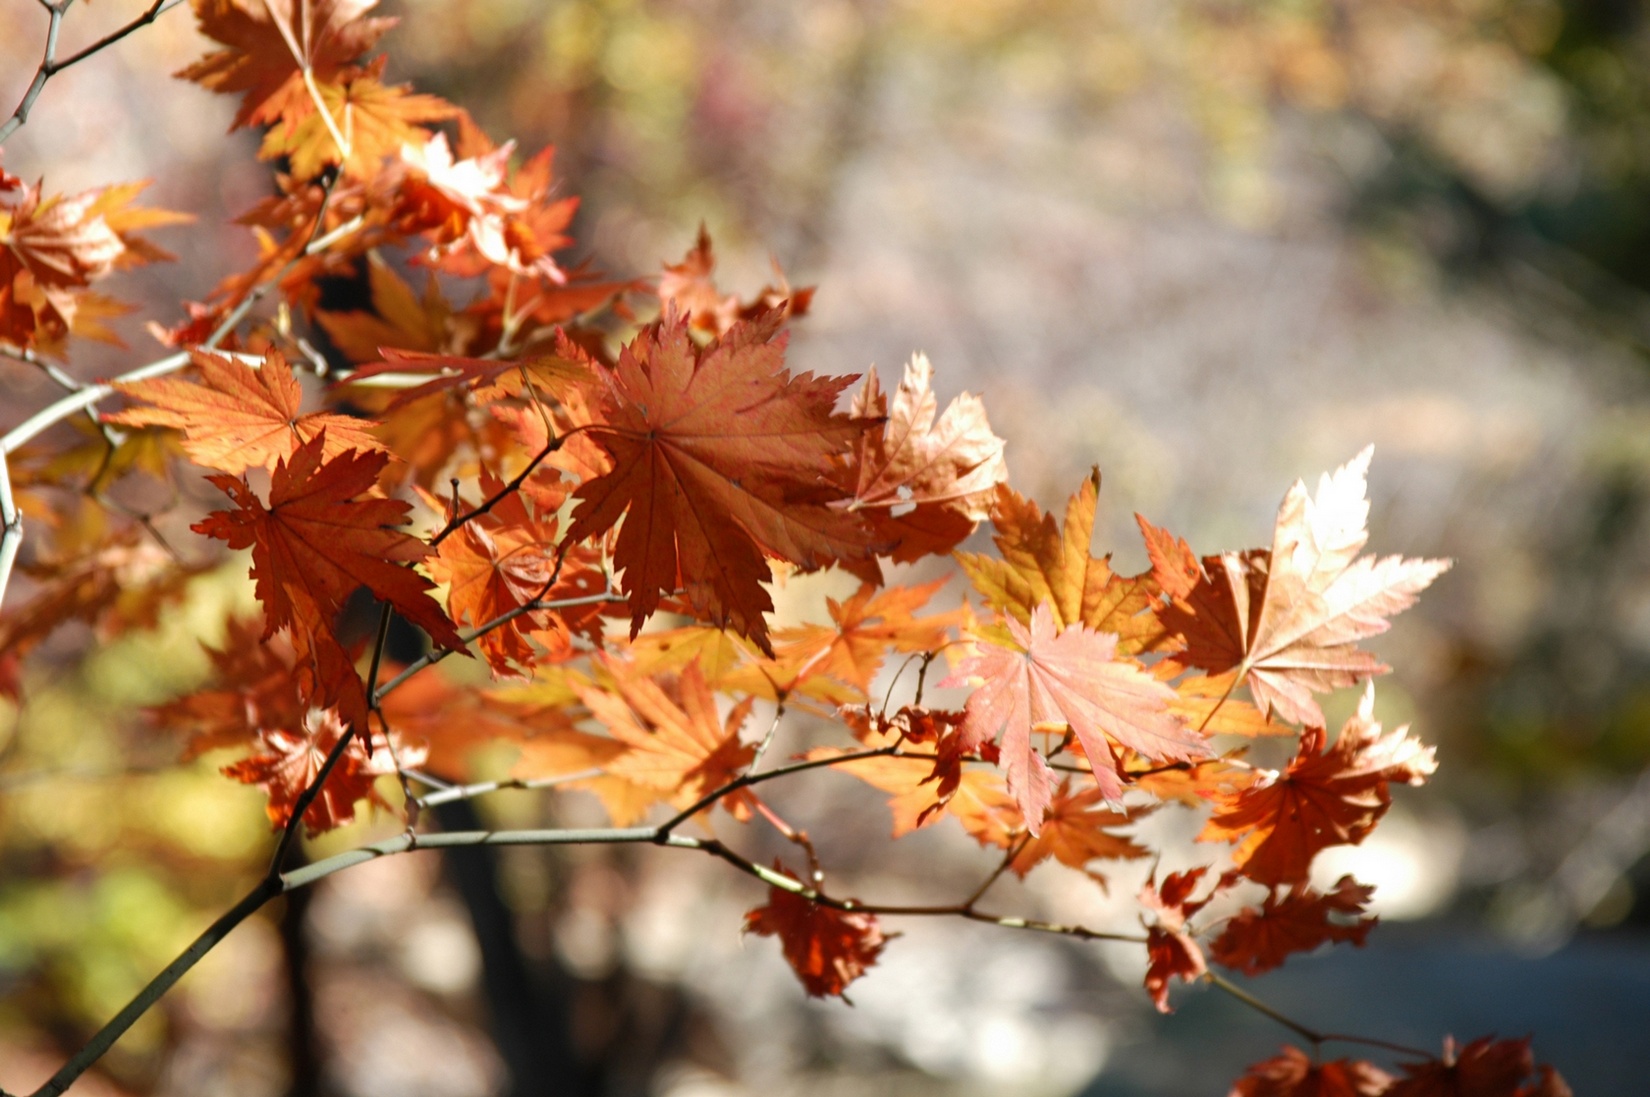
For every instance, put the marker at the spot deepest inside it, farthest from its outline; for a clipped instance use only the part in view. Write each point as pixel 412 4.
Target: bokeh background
pixel 1209 247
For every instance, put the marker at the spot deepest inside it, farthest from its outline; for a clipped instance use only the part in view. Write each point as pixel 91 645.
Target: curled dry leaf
pixel 1487 1067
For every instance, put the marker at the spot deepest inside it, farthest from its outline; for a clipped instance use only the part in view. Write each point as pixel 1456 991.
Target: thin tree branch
pixel 50 65
pixel 1313 1035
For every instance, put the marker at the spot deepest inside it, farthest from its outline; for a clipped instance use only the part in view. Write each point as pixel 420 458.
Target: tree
pixel 593 484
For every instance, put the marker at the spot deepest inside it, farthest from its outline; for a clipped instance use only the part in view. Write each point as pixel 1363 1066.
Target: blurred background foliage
pixel 1209 246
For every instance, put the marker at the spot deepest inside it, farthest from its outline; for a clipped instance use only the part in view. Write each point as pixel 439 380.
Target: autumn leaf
pixel 290 759
pixel 1326 797
pixel 400 319
pixel 375 119
pixel 678 745
pixel 549 374
pixel 1486 1067
pixel 826 947
pixel 238 417
pixel 1073 679
pixel 1077 832
pixel 252 689
pixel 1207 704
pixel 1295 1074
pixel 1047 564
pixel 498 562
pixel 269 43
pixel 720 458
pixel 1297 920
pixel 864 629
pixel 689 287
pixel 319 539
pixel 53 247
pixel 1170 949
pixel 921 484
pixel 1316 599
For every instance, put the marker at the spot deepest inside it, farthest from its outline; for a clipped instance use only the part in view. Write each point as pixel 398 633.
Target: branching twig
pixel 51 64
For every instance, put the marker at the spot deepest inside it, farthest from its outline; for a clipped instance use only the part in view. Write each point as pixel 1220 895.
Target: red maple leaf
pixel 291 759
pixel 1327 797
pixel 864 629
pixel 719 458
pixel 1077 832
pixel 1074 680
pixel 1487 1067
pixel 1298 920
pixel 826 947
pixel 321 537
pixel 690 288
pixel 501 561
pixel 1048 563
pixel 1170 948
pixel 1295 1074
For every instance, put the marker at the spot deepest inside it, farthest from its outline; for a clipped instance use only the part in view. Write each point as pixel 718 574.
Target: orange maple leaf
pixel 1076 833
pixel 923 485
pixel 1298 920
pixel 689 287
pixel 1327 797
pixel 318 540
pixel 498 562
pixel 238 417
pixel 678 746
pixel 719 457
pixel 864 630
pixel 269 45
pixel 1046 564
pixel 252 689
pixel 375 119
pixel 1292 618
pixel 1045 680
pixel 291 759
pixel 826 947
pixel 1295 1074
pixel 52 248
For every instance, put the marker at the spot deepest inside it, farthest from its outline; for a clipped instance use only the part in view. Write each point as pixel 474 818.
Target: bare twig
pixel 51 64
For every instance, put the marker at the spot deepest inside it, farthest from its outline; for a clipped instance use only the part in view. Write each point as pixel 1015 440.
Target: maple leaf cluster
pixel 594 485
